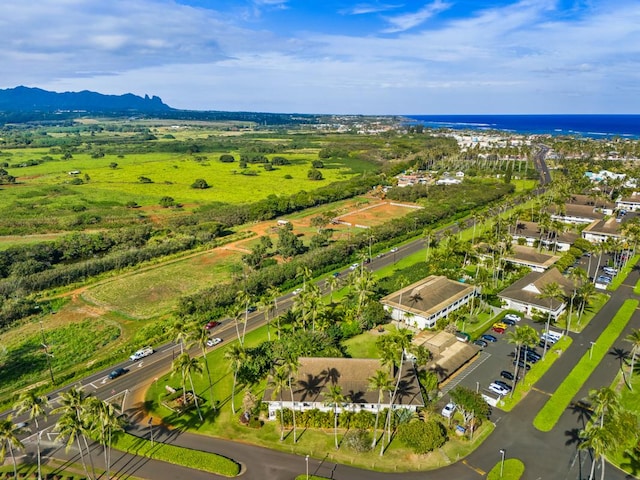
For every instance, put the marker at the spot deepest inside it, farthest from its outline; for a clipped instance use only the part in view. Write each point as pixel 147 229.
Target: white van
pixel 143 352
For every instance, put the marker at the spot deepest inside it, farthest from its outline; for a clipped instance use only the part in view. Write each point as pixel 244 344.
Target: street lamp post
pixel 150 423
pixel 477 387
pixel 591 350
pixel 502 452
pixel 307 461
pixel 46 353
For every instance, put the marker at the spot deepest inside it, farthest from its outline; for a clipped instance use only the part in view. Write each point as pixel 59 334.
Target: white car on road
pixel 212 342
pixel 513 316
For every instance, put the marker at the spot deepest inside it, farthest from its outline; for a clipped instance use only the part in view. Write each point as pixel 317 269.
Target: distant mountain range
pixel 26 99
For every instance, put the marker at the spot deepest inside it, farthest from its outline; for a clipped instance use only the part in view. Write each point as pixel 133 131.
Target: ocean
pixel 589 126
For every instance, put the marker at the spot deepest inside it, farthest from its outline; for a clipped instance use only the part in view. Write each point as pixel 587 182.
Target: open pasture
pixel 376 213
pixel 154 291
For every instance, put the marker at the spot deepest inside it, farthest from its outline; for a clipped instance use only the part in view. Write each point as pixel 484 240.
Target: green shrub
pixel 422 437
pixel 358 440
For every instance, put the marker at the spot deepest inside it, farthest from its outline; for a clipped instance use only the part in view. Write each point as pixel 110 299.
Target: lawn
pixel 364 345
pixel 315 442
pixel 513 469
pixel 548 416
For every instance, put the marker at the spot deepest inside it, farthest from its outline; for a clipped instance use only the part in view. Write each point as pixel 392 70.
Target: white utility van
pixel 143 352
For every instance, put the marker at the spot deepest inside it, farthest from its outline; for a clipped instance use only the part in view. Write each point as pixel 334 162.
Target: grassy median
pixel 568 389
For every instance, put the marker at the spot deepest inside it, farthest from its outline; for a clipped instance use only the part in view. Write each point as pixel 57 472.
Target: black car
pixel 252 309
pixel 521 364
pixel 117 372
pixel 481 343
pixel 506 321
pixel 506 374
pixel 489 338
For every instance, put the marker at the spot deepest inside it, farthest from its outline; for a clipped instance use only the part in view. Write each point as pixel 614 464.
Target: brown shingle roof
pixel 315 375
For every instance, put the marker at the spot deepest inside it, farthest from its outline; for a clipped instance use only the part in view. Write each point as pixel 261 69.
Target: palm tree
pixel 278 381
pixel 9 440
pixel 578 277
pixel 397 344
pixel 551 291
pixel 333 283
pixel 587 291
pixel 71 427
pixel 634 339
pixel 596 438
pixel 186 365
pixel 291 367
pixel 519 337
pixel 73 405
pixel 334 398
pixel 266 305
pixel 108 423
pixel 182 332
pixel 36 405
pixel 244 300
pixel 381 382
pixel 236 355
pixel 201 337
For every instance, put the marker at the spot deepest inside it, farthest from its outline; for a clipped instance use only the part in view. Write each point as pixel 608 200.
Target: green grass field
pixel 154 291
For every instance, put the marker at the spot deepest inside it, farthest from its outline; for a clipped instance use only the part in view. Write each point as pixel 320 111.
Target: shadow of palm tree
pixel 620 354
pixel 573 436
pixel 330 374
pixel 584 411
pixel 310 388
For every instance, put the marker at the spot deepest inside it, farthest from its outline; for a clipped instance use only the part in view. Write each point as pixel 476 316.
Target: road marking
pixel 104 380
pixel 457 377
pixel 541 391
pixel 479 471
pixel 140 363
pixel 93 385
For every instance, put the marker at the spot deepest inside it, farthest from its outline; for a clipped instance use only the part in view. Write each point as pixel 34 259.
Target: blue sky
pixel 328 56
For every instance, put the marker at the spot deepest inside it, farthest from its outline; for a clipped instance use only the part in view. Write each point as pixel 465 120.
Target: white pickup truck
pixel 143 352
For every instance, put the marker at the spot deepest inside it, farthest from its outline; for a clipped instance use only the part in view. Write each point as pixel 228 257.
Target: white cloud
pixel 407 21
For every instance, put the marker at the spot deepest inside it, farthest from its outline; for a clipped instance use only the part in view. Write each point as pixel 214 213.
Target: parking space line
pixel 457 377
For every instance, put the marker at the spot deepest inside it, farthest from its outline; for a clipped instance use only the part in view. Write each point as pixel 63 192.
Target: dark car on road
pixel 117 372
pixel 211 324
pixel 489 338
pixel 521 364
pixel 481 343
pixel 508 321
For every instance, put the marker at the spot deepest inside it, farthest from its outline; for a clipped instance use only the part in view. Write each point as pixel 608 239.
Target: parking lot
pixel 486 367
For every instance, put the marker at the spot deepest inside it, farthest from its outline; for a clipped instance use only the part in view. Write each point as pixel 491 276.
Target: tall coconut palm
pixel 237 356
pixel 578 277
pixel 182 332
pixel 381 383
pixel 333 283
pixel 518 337
pixel 73 403
pixel 72 428
pixel 291 366
pixel 397 344
pixel 36 406
pixel 334 399
pixel 186 366
pixel 634 339
pixel 278 382
pixel 266 305
pixel 597 439
pixel 552 292
pixel 244 300
pixel 10 441
pixel 107 423
pixel 586 293
pixel 201 337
